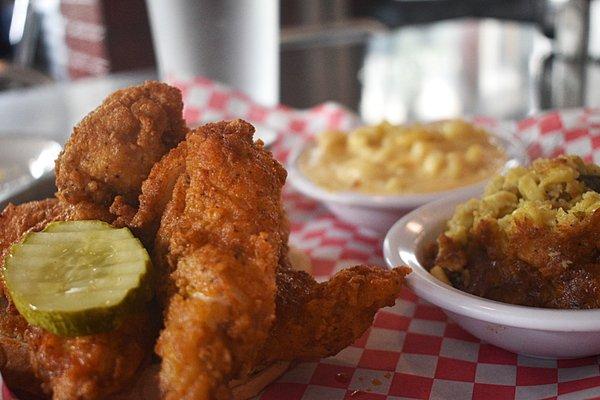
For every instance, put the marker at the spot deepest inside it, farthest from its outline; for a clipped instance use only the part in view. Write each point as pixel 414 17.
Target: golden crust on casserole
pixel 533 238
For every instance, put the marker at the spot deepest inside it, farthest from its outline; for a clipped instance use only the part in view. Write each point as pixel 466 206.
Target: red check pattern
pixel 412 351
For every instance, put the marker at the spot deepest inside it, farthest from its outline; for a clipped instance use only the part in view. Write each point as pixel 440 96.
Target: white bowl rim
pixel 449 298
pixel 509 141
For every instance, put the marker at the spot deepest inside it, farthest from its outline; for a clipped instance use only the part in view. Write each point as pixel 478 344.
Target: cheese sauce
pixel 394 159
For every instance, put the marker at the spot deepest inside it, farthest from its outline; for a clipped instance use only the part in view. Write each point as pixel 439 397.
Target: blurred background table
pixel 394 59
pixel 51 110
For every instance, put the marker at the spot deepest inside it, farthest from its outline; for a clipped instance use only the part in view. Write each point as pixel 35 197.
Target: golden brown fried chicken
pixel 38 364
pixel 94 366
pixel 209 209
pixel 104 162
pixel 15 364
pixel 16 220
pixel 157 190
pixel 316 320
pixel 112 150
pixel 220 239
pixel 313 320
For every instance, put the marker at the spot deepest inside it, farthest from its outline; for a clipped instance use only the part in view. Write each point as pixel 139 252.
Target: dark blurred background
pixel 394 59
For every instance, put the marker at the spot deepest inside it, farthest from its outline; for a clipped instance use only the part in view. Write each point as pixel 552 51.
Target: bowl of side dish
pixel 373 175
pixel 522 275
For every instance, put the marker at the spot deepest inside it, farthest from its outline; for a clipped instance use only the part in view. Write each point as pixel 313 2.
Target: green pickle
pixel 78 278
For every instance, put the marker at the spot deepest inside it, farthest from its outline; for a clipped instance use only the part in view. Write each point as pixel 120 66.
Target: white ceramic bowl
pixel 537 332
pixel 379 212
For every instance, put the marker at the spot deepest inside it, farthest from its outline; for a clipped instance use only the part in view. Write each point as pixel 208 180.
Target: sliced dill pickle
pixel 77 226
pixel 78 278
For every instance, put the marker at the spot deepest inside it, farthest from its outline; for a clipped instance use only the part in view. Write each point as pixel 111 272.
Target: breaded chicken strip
pixel 93 366
pixel 312 320
pixel 220 240
pixel 316 320
pixel 157 190
pixel 38 364
pixel 15 364
pixel 112 150
pixel 104 162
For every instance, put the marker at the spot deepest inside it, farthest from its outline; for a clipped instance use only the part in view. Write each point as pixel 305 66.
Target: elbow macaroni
pixel 550 193
pixel 393 159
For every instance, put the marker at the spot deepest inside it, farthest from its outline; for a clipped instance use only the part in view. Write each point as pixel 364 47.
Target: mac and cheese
pixel 392 159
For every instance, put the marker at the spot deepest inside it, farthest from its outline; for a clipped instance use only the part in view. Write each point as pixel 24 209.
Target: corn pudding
pixel 395 159
pixel 533 238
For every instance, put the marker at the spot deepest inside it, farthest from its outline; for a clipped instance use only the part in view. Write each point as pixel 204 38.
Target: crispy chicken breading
pixel 157 190
pixel 312 320
pixel 112 150
pixel 104 162
pixel 94 366
pixel 220 240
pixel 316 320
pixel 15 363
pixel 207 205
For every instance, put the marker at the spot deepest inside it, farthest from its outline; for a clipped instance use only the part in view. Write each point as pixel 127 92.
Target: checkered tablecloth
pixel 412 350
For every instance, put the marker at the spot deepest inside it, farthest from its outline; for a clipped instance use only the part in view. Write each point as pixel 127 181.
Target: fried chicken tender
pixel 156 194
pixel 312 320
pixel 316 320
pixel 112 150
pixel 99 176
pixel 220 240
pixel 207 204
pixel 94 366
pixel 15 364
pixel 37 364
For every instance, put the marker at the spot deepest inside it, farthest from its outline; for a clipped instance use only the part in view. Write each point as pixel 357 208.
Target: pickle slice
pixel 78 278
pixel 77 226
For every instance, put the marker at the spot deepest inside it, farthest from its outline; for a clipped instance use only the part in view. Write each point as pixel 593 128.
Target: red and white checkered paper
pixel 412 350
